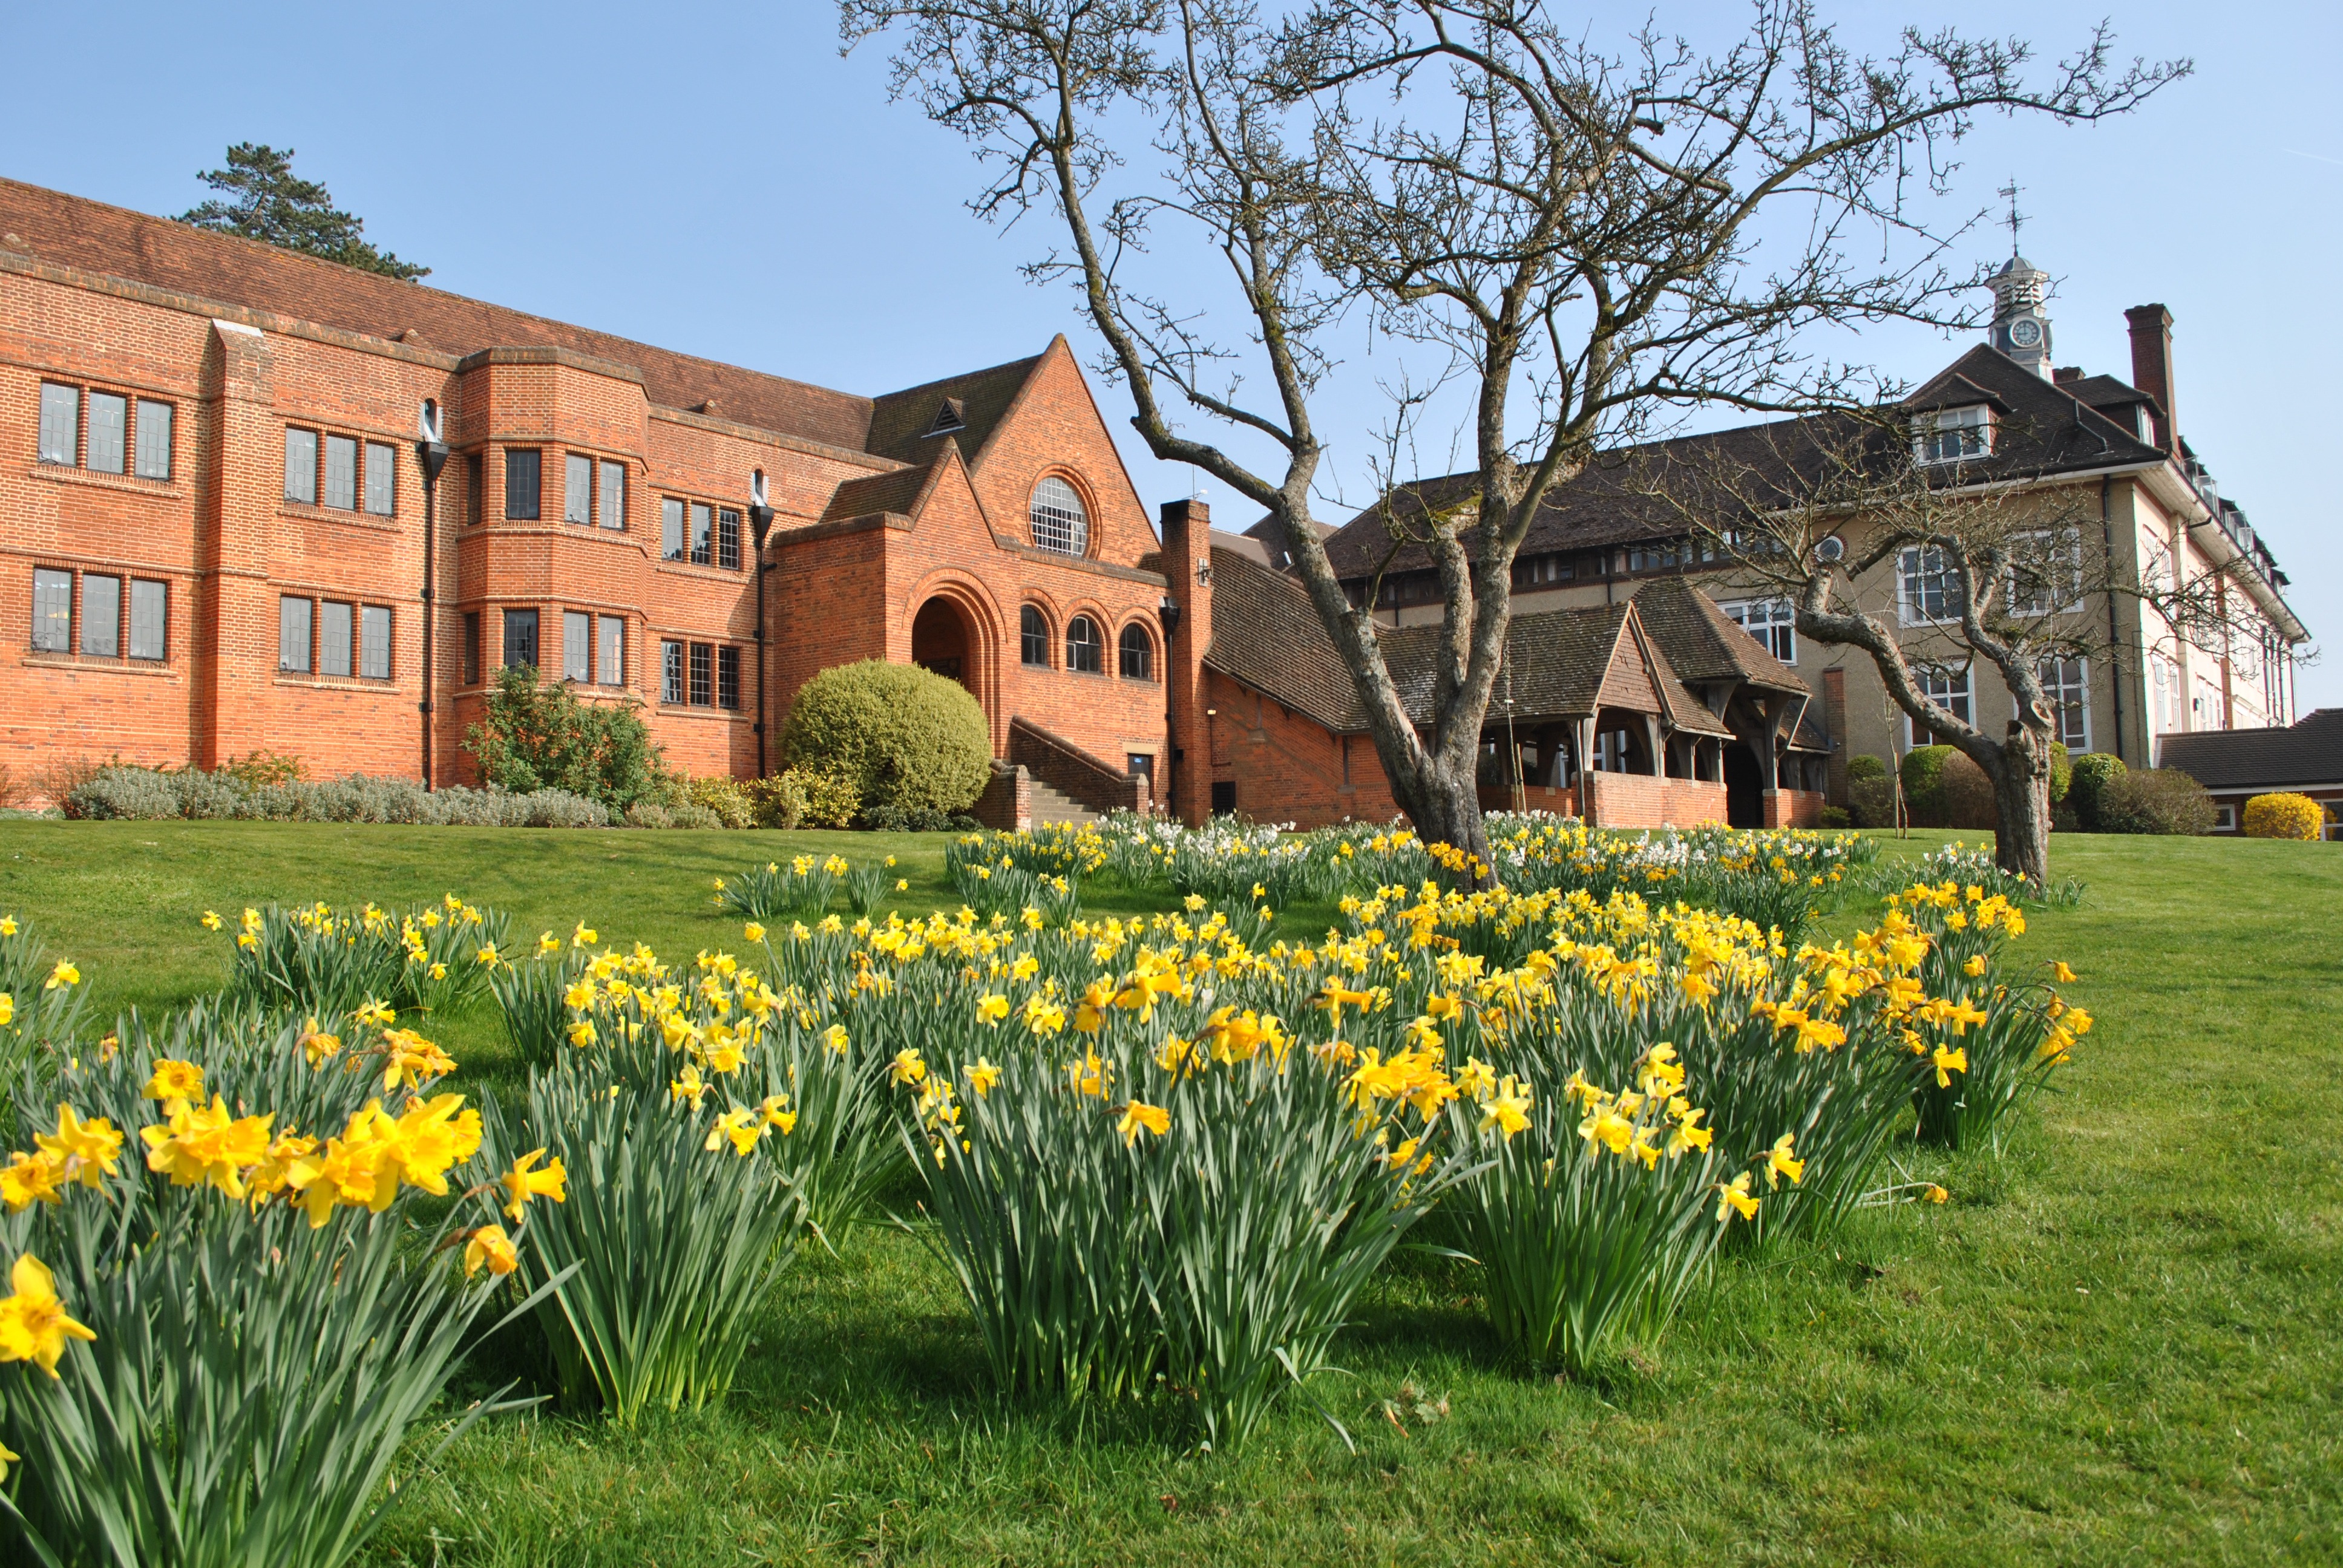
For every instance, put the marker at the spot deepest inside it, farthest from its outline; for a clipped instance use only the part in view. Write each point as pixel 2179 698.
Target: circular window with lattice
pixel 1059 523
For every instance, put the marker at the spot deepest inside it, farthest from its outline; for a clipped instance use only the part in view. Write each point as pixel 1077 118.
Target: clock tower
pixel 2021 326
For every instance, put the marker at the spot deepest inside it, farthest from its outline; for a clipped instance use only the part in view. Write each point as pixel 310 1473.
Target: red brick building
pixel 257 500
pixel 254 500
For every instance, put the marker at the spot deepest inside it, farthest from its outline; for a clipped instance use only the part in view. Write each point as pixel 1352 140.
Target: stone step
pixel 1052 806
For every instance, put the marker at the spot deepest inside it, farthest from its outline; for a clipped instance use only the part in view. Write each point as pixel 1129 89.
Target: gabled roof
pixel 1704 643
pixel 91 236
pixel 1266 635
pixel 903 424
pixel 898 491
pixel 2105 392
pixel 2306 753
pixel 1642 491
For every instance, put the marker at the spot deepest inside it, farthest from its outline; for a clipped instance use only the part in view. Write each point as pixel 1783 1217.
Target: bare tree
pixel 1572 235
pixel 1935 569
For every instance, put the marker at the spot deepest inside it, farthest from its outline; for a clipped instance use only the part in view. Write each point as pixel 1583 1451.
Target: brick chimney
pixel 1187 563
pixel 2151 368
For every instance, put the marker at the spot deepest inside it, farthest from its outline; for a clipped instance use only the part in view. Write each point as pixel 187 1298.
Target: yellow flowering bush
pixel 2285 815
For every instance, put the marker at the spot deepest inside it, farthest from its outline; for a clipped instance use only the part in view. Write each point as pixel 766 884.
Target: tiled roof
pixel 92 236
pixel 1266 635
pixel 1703 642
pixel 903 424
pixel 897 490
pixel 2308 752
pixel 1645 491
pixel 2104 391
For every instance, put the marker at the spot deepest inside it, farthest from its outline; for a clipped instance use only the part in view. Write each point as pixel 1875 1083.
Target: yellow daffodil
pixel 525 1183
pixel 1734 1199
pixel 1780 1162
pixel 2062 974
pixel 211 920
pixel 1508 1108
pixel 174 1080
pixel 741 1127
pixel 64 974
pixel 1935 1194
pixel 1139 1117
pixel 774 1112
pixel 84 1151
pixel 492 1248
pixel 991 1009
pixel 34 1326
pixel 1948 1062
pixel 30 1178
pixel 981 1076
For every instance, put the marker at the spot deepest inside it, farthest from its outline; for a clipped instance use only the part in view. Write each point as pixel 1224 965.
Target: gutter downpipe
pixel 2107 543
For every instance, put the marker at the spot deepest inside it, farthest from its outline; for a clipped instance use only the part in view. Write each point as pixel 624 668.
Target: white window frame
pixel 2056 687
pixel 1913 573
pixel 1953 434
pixel 2072 539
pixel 1937 684
pixel 1777 624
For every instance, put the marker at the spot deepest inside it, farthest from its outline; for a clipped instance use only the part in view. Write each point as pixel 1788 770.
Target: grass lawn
pixel 2121 1342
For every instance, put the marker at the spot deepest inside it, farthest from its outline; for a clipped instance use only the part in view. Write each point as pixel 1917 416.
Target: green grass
pixel 2118 1343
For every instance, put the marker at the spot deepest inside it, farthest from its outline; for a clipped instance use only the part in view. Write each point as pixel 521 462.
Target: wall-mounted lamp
pixel 1203 574
pixel 1168 613
pixel 761 512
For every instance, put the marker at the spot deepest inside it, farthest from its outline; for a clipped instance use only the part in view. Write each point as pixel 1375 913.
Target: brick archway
pixel 954 629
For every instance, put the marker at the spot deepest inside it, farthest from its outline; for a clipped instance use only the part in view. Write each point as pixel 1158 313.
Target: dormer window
pixel 950 416
pixel 1953 434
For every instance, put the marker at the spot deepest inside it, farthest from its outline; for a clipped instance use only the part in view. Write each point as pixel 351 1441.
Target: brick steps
pixel 1051 806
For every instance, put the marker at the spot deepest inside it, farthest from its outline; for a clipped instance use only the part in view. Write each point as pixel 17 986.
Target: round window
pixel 1059 521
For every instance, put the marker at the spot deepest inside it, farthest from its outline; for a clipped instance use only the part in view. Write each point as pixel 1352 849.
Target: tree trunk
pixel 1445 805
pixel 2021 794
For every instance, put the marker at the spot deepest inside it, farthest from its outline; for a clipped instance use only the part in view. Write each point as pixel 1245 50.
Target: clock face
pixel 2025 332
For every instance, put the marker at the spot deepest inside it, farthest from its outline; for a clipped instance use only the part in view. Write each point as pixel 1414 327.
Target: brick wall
pixel 221 535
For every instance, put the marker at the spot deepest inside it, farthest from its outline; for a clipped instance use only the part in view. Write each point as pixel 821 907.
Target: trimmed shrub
pixel 724 797
pixel 1837 816
pixel 2155 800
pixel 2062 772
pixel 692 815
pixel 2285 816
pixel 647 814
pixel 1968 795
pixel 1923 784
pixel 1864 765
pixel 536 735
pixel 2092 772
pixel 1873 800
pixel 906 737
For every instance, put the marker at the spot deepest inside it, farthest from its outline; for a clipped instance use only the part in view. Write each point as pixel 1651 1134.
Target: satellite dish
pixel 1830 548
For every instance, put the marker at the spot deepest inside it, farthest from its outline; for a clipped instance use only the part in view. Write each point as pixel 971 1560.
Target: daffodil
pixel 1734 1199
pixel 30 1178
pixel 174 1080
pixel 741 1127
pixel 1780 1162
pixel 84 1151
pixel 981 1076
pixel 34 1326
pixel 64 974
pixel 525 1183
pixel 1948 1062
pixel 1138 1117
pixel 1508 1108
pixel 492 1248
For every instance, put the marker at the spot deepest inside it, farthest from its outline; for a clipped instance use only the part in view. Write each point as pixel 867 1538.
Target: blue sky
pixel 716 179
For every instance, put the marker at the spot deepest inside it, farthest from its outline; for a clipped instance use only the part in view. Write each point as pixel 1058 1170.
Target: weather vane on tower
pixel 2017 218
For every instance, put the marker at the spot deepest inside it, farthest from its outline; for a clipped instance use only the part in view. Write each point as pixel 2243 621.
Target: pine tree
pixel 269 203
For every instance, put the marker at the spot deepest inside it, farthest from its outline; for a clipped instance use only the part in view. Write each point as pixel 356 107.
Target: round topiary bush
pixel 2091 774
pixel 908 738
pixel 1864 765
pixel 2284 816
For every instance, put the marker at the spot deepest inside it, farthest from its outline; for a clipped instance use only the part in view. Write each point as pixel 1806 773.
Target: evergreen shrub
pixel 904 737
pixel 2155 800
pixel 536 734
pixel 2092 772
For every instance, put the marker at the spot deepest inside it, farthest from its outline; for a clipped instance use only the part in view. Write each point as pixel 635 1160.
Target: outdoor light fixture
pixel 1203 574
pixel 1169 614
pixel 432 453
pixel 761 522
pixel 760 513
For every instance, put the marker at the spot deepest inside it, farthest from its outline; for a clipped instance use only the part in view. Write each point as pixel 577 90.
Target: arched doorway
pixel 1745 786
pixel 940 641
